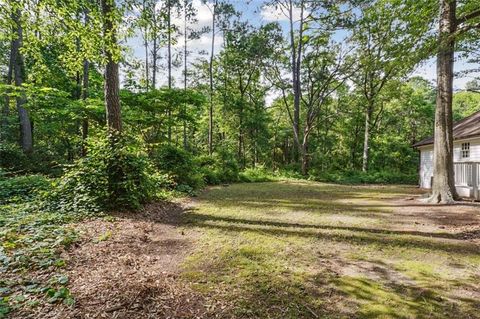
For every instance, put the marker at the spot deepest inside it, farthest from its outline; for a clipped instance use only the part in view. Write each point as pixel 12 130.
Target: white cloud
pixel 279 13
pixel 203 44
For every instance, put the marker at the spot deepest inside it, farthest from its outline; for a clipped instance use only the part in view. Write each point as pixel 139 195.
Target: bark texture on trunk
pixel 169 57
pixel 154 62
pixel 112 83
pixel 366 141
pixel 6 106
pixel 85 84
pixel 210 108
pixel 443 188
pixel 26 136
pixel 145 45
pixel 185 75
pixel 296 46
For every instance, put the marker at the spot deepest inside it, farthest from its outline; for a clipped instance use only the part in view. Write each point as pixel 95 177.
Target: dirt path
pixel 127 267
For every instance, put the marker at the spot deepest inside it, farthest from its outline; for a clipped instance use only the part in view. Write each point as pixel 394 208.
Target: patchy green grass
pixel 297 249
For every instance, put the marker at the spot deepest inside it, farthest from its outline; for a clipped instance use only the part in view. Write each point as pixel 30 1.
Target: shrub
pixel 209 168
pixel 41 161
pixel 12 158
pixel 221 167
pixel 255 175
pixel 113 175
pixel 178 164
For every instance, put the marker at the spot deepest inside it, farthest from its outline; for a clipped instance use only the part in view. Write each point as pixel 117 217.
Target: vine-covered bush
pixel 114 174
pixel 179 165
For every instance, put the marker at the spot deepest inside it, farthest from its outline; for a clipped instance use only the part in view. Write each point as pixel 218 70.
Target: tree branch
pixel 469 16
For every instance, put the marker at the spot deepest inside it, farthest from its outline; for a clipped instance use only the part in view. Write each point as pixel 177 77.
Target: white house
pixel 466 157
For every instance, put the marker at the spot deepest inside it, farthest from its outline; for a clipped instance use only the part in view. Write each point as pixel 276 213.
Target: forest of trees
pixel 111 94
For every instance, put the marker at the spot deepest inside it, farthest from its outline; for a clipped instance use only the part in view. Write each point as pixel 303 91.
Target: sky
pixel 255 13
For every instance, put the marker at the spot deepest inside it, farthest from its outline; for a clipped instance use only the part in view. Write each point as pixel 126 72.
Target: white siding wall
pixel 474 151
pixel 426 159
pixel 426 166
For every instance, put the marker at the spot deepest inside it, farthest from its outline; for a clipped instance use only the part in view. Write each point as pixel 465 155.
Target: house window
pixel 465 150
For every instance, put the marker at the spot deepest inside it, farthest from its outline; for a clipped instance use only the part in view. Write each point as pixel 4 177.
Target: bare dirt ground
pixel 127 266
pixel 462 220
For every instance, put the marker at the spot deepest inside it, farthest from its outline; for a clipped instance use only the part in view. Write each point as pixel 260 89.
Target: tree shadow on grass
pixel 253 286
pixel 356 235
pixel 258 286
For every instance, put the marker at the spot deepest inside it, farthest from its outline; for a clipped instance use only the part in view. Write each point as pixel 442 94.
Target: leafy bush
pixel 113 175
pixel 41 161
pixel 208 167
pixel 178 164
pixel 12 158
pixel 221 167
pixel 22 188
pixel 255 175
pixel 358 177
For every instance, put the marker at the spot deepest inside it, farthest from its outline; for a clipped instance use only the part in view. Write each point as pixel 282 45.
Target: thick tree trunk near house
pixel 112 83
pixel 26 136
pixel 366 141
pixel 443 188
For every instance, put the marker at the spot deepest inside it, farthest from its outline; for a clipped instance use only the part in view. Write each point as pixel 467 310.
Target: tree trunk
pixel 240 134
pixel 305 162
pixel 112 83
pixel 26 136
pixel 85 84
pixel 296 60
pixel 366 141
pixel 304 151
pixel 154 62
pixel 185 74
pixel 295 87
pixel 443 189
pixel 210 109
pixel 145 44
pixel 147 83
pixel 169 58
pixel 6 107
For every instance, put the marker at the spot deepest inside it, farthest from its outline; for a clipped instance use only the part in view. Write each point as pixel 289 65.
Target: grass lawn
pixel 310 250
pixel 286 249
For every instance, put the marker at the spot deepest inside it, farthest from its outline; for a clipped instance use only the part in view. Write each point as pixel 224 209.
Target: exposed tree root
pixel 441 197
